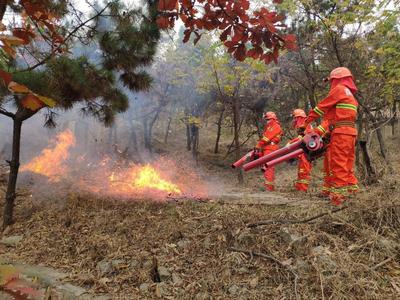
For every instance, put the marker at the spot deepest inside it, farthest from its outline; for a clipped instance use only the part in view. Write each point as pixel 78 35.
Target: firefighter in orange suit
pixel 340 109
pixel 304 166
pixel 269 143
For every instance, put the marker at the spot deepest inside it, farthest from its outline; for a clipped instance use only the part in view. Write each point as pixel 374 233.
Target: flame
pixel 106 176
pixel 149 178
pixel 52 161
pixel 138 179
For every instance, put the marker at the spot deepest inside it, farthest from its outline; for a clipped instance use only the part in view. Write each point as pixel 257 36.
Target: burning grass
pixel 65 168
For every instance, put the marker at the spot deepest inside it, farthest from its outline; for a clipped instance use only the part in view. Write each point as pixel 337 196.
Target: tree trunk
pixel 394 120
pixel 146 138
pixel 167 130
pixel 195 141
pixel 188 138
pixel 21 115
pixel 370 172
pixel 219 127
pixel 12 180
pixel 236 121
pixel 150 129
pixel 381 141
pixel 133 138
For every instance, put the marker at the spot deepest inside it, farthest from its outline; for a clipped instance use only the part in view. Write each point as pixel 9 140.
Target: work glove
pixel 301 130
pixel 292 161
pixel 257 153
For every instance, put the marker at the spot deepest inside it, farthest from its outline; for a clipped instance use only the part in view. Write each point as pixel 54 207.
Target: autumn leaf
pixel 24 34
pixel 2 27
pixel 32 102
pixel 11 40
pixel 240 53
pixel 46 100
pixel 186 35
pixel 6 77
pixel 9 50
pixel 163 22
pixel 18 88
pixel 168 5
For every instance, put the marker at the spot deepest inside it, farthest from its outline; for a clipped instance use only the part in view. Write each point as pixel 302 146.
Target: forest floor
pixel 191 249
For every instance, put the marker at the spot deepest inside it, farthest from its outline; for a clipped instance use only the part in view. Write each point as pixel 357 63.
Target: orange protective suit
pixel 323 131
pixel 304 166
pixel 269 143
pixel 340 108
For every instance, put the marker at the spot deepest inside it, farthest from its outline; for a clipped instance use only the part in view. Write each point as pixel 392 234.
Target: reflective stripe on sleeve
pixel 318 111
pixel 321 128
pixel 346 106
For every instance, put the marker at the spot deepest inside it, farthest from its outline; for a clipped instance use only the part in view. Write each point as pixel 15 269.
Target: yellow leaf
pixel 32 102
pixel 18 88
pixel 46 100
pixel 2 27
pixel 12 40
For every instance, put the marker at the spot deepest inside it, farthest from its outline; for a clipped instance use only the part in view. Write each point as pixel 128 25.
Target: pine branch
pixel 67 38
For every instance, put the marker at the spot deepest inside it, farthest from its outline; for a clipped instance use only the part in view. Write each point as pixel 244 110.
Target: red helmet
pixel 270 115
pixel 340 72
pixel 299 113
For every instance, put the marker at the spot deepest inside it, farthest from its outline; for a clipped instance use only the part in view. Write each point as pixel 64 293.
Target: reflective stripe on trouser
pixel 269 174
pixel 342 157
pixel 303 173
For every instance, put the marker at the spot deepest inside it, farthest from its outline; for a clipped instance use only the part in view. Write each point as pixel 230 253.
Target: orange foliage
pixel 239 27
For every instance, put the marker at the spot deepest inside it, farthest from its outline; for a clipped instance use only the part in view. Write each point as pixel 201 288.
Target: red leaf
pixel 256 52
pixel 24 35
pixel 186 35
pixel 6 77
pixel 245 4
pixel 168 5
pixel 290 41
pixel 164 22
pixel 267 58
pixel 239 35
pixel 32 102
pixel 229 44
pixel 197 38
pixel 225 34
pixel 186 3
pixel 240 53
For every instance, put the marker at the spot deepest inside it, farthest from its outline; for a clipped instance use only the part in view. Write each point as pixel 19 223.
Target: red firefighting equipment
pixel 304 165
pixel 311 144
pixel 340 108
pixel 253 154
pixel 269 143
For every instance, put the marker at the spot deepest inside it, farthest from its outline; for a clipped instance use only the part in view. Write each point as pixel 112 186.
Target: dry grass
pixel 352 254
